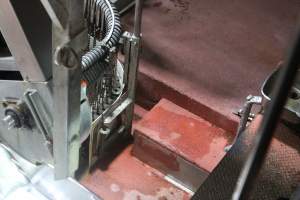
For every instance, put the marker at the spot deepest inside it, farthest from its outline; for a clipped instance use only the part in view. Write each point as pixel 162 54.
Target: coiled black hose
pixel 93 10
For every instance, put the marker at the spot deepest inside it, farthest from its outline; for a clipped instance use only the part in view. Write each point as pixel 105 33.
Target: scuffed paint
pixel 115 188
pixel 175 135
pixel 162 194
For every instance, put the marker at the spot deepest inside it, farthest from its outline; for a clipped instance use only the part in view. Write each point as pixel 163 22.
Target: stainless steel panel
pixel 28 142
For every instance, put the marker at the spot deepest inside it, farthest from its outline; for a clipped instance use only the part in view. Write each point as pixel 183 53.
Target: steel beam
pixel 26 28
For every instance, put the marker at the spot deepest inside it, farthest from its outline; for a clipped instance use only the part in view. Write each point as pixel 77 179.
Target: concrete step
pixel 181 145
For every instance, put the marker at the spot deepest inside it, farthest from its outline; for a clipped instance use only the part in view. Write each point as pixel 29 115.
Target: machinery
pixel 66 94
pixel 68 74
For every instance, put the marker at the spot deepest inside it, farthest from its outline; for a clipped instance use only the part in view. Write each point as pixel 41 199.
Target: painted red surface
pixel 126 178
pixel 185 134
pixel 207 56
pixel 150 90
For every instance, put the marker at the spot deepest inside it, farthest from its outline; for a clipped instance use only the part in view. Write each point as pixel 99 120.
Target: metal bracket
pixel 246 115
pixel 39 112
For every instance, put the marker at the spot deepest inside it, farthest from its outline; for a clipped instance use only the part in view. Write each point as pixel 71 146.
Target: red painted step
pixel 121 176
pixel 127 178
pixel 179 143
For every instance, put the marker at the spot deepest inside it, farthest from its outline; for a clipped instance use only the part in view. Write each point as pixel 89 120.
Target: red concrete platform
pixel 179 143
pixel 207 55
pixel 127 178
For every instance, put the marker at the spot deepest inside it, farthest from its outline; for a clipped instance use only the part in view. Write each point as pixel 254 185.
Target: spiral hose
pixel 91 66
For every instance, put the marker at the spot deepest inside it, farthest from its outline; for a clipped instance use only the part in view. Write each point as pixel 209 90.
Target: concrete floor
pixel 215 52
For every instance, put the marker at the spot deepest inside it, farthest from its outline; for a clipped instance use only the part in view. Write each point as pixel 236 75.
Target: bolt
pixel 14 116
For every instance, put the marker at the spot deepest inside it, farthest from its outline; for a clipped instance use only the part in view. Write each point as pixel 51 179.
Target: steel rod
pixel 138 17
pixel 268 125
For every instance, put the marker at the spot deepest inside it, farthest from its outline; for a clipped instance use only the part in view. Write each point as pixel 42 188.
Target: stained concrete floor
pixel 127 178
pixel 215 52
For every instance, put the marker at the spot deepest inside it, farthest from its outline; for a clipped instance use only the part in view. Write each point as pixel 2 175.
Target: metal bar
pixel 123 5
pixel 133 65
pixel 132 45
pixel 38 113
pixel 66 120
pixel 69 44
pixel 127 49
pixel 30 46
pixel 109 119
pixel 57 12
pixel 111 109
pixel 138 17
pixel 123 10
pixel 8 64
pixel 268 125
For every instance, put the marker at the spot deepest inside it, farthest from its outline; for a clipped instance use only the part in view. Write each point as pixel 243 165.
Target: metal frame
pixel 69 41
pixel 42 44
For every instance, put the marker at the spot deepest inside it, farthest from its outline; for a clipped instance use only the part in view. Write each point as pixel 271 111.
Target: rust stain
pixel 162 194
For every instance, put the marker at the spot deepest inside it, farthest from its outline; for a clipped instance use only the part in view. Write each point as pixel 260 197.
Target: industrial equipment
pixel 66 94
pixel 68 73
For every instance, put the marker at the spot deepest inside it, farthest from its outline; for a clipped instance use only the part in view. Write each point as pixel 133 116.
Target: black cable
pixel 268 125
